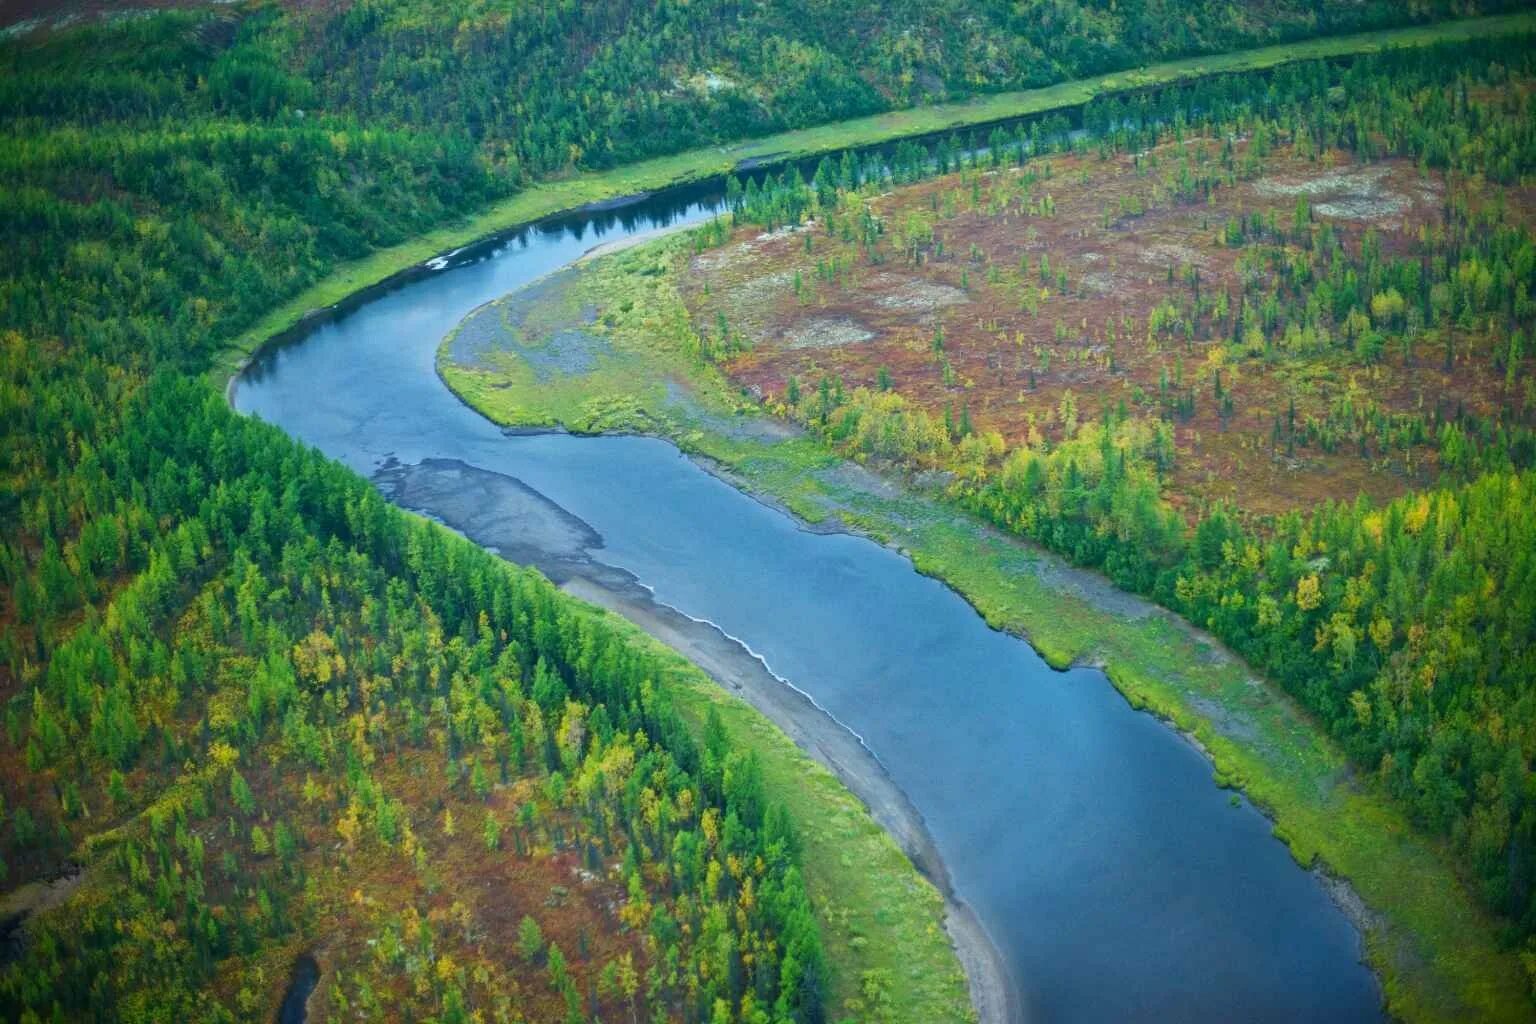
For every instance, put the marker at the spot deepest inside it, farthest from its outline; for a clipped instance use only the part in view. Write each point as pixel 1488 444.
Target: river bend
pixel 1118 882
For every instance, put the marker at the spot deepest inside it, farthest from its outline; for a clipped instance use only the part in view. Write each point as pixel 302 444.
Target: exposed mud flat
pixel 497 512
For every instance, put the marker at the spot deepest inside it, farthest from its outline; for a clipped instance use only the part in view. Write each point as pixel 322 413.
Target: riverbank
pixel 589 189
pixel 994 992
pixel 810 761
pixel 1432 946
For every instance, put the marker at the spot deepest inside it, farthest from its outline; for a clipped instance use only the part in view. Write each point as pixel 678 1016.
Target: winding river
pixel 1116 880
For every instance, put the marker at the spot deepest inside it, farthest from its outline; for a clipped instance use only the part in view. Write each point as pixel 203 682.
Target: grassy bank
pixel 881 922
pixel 555 196
pixel 1432 945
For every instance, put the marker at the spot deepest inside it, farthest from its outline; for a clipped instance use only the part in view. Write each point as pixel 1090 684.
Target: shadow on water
pixel 306 975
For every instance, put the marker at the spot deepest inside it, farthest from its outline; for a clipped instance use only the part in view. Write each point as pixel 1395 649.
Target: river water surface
pixel 1117 880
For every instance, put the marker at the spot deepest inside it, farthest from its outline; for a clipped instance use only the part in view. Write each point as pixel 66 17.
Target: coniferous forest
pixel 246 701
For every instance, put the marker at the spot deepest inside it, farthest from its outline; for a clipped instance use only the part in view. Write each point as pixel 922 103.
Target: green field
pixel 1431 944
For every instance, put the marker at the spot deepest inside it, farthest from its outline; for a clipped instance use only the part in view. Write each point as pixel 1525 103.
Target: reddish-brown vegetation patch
pixel 964 316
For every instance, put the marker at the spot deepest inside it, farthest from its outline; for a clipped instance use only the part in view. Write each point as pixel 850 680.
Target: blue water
pixel 1116 878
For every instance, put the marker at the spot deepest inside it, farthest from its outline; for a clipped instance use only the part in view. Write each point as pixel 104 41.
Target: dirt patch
pixel 826 332
pixel 921 296
pixel 1359 194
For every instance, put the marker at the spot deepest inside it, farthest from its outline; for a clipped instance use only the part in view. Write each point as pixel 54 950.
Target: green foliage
pixel 199 611
pixel 241 626
pixel 530 940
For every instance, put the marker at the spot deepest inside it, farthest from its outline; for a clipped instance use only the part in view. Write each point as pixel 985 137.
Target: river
pixel 1116 880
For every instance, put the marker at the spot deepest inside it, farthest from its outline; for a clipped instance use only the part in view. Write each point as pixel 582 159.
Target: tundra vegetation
pixel 258 710
pixel 1256 347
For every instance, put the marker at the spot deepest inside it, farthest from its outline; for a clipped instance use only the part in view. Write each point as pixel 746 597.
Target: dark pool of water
pixel 1118 881
pixel 306 975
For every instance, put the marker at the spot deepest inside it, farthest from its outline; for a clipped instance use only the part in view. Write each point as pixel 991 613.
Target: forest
pixel 226 679
pixel 167 179
pixel 1308 433
pixel 245 698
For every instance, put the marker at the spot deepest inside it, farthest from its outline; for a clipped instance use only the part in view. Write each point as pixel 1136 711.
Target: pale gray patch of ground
pixel 826 332
pixel 914 295
pixel 749 426
pixel 714 259
pixel 786 231
pixel 497 511
pixel 765 288
pixel 498 327
pixel 1098 282
pixel 480 334
pixel 1092 588
pixel 753 302
pixel 1163 253
pixel 1225 722
pixel 570 353
pixel 1365 920
pixel 1353 194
